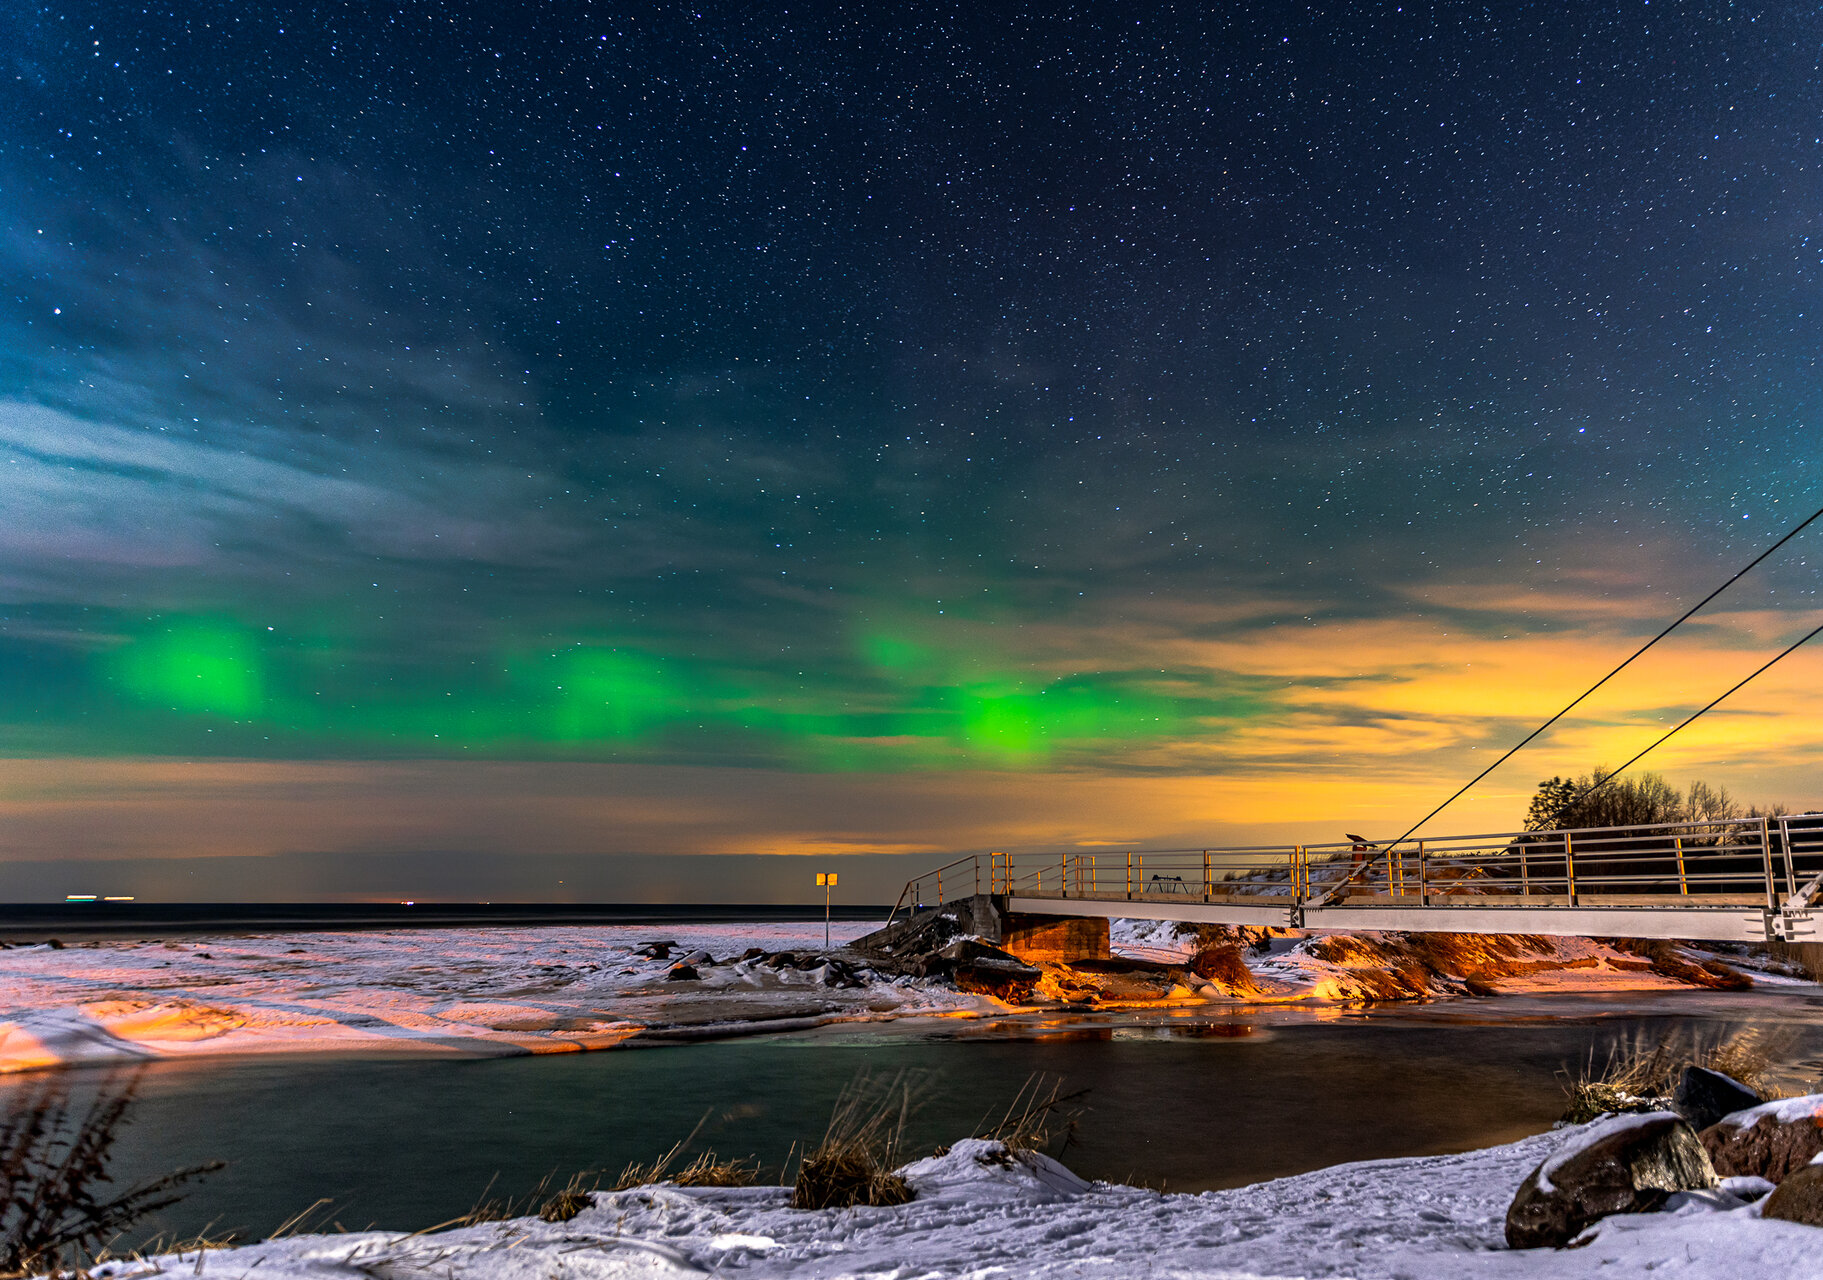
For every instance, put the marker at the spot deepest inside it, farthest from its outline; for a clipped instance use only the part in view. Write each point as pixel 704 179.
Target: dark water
pixel 1186 1102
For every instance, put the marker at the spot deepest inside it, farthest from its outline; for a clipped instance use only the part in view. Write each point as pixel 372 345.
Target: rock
pixel 1768 1141
pixel 989 971
pixel 751 953
pixel 1222 964
pixel 1704 1096
pixel 54 945
pixel 653 951
pixel 931 967
pixel 698 957
pixel 781 960
pixel 1624 1164
pixel 1799 1198
pixel 683 973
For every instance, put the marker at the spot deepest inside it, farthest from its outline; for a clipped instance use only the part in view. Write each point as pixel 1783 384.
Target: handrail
pixel 967 857
pixel 1705 862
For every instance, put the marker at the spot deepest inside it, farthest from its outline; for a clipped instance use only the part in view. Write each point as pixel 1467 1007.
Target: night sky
pixel 471 435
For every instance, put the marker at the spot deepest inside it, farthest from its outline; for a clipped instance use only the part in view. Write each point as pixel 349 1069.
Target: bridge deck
pixel 1735 880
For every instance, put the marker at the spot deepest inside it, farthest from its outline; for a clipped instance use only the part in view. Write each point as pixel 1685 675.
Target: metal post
pixel 1569 867
pixel 1766 858
pixel 1208 883
pixel 1063 874
pixel 1525 878
pixel 976 860
pixel 939 888
pixel 1424 889
pixel 1129 875
pixel 1683 884
pixel 1791 875
pixel 1421 850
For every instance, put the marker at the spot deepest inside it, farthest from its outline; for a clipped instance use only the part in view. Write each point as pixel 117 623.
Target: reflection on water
pixel 1190 1100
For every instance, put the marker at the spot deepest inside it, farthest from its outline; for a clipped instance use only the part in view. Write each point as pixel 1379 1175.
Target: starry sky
pixel 475 435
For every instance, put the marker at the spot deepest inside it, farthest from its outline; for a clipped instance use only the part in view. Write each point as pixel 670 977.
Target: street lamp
pixel 828 880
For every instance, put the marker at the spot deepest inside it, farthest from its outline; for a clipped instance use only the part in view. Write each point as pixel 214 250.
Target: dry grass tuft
pixel 1641 1072
pixel 853 1163
pixel 54 1154
pixel 707 1170
pixel 1040 1113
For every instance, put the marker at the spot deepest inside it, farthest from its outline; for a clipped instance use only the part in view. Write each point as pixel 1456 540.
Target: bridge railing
pixel 1774 863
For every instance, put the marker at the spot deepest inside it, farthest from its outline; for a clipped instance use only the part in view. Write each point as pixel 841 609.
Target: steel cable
pixel 1683 618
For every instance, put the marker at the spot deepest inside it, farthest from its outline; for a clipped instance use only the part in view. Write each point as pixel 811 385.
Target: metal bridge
pixel 1739 880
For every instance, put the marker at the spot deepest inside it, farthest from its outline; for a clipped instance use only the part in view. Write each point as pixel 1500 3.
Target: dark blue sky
pixel 847 388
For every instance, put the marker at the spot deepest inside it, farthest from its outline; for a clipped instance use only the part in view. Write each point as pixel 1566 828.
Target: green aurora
pixel 212 682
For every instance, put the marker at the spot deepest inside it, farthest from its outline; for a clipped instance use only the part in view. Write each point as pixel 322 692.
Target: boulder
pixel 698 957
pixel 1768 1141
pixel 932 966
pixel 1222 964
pixel 1624 1164
pixel 1704 1096
pixel 751 953
pixel 989 971
pixel 683 973
pixel 1799 1198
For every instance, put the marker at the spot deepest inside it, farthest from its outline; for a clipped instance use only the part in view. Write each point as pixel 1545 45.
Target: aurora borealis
pixel 483 434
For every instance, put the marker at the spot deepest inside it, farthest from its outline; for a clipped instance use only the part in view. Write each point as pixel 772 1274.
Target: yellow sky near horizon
pixel 1378 721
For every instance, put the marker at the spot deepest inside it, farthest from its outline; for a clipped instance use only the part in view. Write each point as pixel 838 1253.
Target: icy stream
pixel 1185 1102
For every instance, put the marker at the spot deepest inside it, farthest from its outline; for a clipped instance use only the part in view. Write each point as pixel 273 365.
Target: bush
pixel 54 1154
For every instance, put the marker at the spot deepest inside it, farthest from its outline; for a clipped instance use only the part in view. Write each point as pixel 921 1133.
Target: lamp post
pixel 828 880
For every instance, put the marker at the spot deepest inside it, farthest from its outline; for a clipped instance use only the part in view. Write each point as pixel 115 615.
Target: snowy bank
pixel 486 990
pixel 552 989
pixel 981 1211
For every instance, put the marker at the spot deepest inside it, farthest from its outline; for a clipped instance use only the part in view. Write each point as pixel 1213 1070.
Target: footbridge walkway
pixel 1743 880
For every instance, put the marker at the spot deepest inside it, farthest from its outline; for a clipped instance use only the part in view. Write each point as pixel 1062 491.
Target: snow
pixel 491 990
pixel 982 1211
pixel 1782 1111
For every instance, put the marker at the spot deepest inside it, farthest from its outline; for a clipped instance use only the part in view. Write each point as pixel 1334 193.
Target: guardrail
pixel 1770 864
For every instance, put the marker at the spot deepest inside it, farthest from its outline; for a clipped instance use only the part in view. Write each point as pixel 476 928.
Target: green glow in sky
pixel 901 702
pixel 196 667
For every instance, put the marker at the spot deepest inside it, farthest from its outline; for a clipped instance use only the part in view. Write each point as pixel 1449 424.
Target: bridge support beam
pixel 1060 939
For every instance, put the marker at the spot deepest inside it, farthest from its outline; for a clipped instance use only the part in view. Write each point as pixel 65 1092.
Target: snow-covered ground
pixel 561 988
pixel 491 990
pixel 1292 968
pixel 980 1213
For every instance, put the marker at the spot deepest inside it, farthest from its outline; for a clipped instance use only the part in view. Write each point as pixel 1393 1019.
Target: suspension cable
pixel 1811 634
pixel 1685 617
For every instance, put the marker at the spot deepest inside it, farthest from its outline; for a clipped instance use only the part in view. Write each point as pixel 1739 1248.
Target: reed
pixel 55 1208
